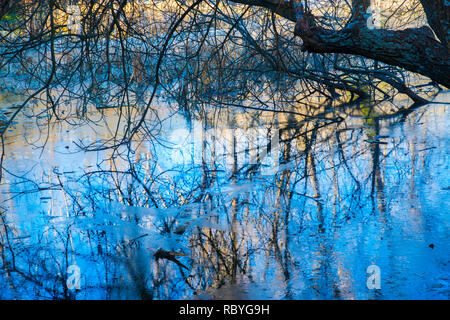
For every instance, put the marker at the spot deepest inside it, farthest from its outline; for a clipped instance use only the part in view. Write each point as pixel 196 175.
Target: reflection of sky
pixel 392 227
pixel 183 145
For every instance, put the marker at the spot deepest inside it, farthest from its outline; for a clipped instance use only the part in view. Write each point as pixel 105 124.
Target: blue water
pixel 346 196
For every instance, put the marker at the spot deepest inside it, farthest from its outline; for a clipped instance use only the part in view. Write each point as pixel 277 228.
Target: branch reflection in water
pixel 191 215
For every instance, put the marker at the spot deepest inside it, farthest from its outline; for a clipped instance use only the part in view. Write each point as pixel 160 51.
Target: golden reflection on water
pixel 267 242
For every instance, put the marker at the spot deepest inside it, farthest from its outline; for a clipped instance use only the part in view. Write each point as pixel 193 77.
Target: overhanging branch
pixel 414 49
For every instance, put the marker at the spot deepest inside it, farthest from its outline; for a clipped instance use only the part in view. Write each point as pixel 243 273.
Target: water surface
pixel 347 195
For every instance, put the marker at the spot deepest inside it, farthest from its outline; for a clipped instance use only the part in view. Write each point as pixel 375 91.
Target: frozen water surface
pixel 343 197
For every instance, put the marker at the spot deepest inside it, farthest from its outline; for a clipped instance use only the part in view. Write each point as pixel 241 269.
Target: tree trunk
pixel 412 49
pixel 438 16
